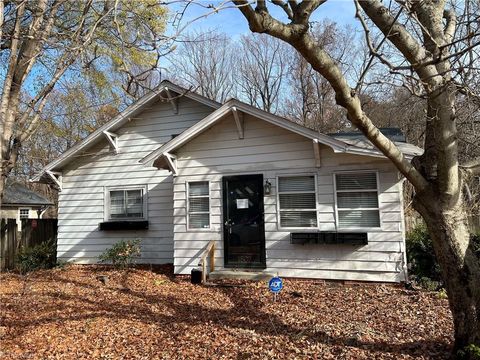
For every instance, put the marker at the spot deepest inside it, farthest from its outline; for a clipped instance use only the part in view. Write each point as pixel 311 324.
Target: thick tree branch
pixel 285 8
pixel 414 52
pixel 451 25
pixel 436 81
pixel 322 62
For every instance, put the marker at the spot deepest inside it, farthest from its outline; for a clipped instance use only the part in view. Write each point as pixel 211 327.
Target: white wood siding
pixel 81 202
pixel 272 151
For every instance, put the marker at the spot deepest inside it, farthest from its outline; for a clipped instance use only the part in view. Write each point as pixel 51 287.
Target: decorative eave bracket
pixel 316 152
pixel 112 139
pixel 56 177
pixel 173 101
pixel 172 162
pixel 238 117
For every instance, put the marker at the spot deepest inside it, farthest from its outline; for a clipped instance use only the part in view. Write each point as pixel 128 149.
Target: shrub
pixel 421 258
pixel 423 265
pixel 41 256
pixel 121 254
pixel 471 351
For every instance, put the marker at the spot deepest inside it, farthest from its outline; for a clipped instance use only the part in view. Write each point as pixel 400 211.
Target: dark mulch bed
pixel 148 314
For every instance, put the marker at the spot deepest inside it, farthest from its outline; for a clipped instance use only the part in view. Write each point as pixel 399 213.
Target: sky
pixel 230 21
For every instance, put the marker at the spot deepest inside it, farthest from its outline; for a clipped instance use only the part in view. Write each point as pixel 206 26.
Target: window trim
pixel 187 210
pixel 357 228
pixel 20 213
pixel 106 206
pixel 279 222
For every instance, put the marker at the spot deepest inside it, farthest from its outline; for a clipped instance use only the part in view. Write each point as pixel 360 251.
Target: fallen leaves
pixel 143 314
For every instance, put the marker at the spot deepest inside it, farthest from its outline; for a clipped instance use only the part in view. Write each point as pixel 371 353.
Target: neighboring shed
pixel 19 202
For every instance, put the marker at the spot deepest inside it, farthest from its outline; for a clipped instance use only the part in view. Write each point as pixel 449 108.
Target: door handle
pixel 229 224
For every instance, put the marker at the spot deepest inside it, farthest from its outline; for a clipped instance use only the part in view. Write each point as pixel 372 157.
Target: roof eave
pixel 123 116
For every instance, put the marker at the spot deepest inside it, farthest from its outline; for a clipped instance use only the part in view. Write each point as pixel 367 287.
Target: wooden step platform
pixel 241 275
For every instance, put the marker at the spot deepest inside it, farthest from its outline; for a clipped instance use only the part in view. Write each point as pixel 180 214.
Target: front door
pixel 244 225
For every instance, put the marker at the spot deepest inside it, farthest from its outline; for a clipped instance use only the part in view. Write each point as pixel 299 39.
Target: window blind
pixel 198 205
pixel 357 200
pixel 357 181
pixel 296 183
pixel 297 201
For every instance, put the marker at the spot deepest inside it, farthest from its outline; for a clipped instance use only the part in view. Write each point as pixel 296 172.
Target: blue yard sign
pixel 275 284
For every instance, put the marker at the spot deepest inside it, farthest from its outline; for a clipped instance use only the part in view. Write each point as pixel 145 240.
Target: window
pixel 24 213
pixel 126 203
pixel 357 200
pixel 297 201
pixel 198 205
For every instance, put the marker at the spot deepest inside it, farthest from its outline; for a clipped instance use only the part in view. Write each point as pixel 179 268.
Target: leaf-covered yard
pixel 148 314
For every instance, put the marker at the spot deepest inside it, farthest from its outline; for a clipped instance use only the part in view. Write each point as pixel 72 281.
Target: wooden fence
pixel 34 232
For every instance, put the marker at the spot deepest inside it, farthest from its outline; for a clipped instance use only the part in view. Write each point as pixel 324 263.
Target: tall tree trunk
pixel 448 228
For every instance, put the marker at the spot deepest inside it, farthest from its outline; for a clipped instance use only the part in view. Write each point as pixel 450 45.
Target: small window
pixel 24 213
pixel 297 201
pixel 357 200
pixel 126 204
pixel 198 205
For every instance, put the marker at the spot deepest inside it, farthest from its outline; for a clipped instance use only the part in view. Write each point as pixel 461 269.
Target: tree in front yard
pixel 46 41
pixel 432 48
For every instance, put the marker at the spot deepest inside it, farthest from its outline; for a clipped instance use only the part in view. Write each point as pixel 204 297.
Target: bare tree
pixel 426 51
pixel 312 99
pixel 204 62
pixel 262 70
pixel 43 40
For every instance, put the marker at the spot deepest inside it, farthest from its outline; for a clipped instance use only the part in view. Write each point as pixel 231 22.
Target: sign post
pixel 275 285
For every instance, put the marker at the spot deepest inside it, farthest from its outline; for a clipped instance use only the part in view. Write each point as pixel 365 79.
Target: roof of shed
pixel 17 194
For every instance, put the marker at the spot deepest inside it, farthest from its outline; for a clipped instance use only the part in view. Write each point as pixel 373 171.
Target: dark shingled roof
pixel 394 134
pixel 17 194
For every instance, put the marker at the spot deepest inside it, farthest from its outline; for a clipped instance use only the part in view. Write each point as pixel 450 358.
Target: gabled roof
pixel 121 119
pixel 17 194
pixel 339 144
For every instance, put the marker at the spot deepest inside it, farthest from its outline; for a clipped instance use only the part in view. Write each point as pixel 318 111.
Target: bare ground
pixel 148 314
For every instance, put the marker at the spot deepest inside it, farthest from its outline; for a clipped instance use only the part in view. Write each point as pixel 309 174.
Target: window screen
pixel 198 205
pixel 126 204
pixel 297 201
pixel 357 200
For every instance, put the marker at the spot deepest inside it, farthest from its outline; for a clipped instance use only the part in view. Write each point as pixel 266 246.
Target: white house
pixel 177 171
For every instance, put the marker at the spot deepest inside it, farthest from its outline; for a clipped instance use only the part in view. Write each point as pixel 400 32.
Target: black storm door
pixel 243 219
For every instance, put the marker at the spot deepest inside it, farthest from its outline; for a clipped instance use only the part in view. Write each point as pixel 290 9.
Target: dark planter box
pixel 329 237
pixel 123 225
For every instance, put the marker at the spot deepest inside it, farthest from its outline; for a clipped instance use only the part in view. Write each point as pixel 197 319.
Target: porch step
pixel 241 275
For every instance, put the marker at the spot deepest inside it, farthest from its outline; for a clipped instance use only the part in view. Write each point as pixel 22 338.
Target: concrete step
pixel 240 274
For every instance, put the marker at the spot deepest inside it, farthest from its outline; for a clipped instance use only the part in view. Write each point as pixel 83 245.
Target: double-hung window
pixel 297 201
pixel 198 205
pixel 357 200
pixel 126 203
